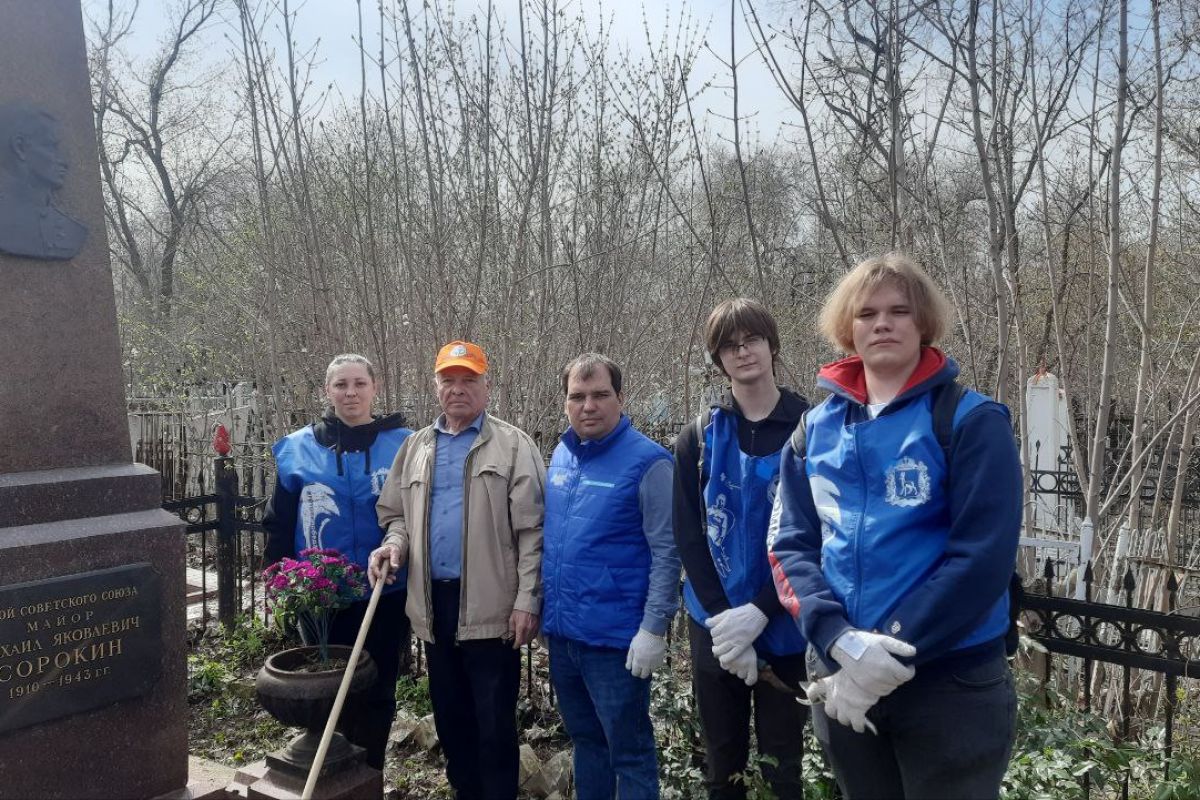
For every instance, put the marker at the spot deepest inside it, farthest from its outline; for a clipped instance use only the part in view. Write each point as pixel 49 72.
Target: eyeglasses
pixel 732 348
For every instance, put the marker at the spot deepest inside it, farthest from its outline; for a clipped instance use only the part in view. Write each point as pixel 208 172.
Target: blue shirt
pixel 446 499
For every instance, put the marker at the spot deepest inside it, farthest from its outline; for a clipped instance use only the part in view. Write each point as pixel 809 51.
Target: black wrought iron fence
pixel 225 544
pixel 1166 643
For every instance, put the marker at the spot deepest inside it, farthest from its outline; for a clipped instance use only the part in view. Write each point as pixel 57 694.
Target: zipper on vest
pixel 353 515
pixel 858 528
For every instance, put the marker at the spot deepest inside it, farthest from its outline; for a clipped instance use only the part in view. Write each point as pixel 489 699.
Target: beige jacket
pixel 503 493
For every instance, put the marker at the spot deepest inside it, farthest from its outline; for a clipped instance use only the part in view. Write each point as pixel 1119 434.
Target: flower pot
pixel 304 699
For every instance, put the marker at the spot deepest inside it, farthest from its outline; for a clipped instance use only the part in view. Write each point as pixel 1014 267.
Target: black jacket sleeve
pixel 279 518
pixel 767 600
pixel 691 526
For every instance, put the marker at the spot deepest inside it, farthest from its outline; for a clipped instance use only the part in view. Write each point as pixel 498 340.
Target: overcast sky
pixel 333 23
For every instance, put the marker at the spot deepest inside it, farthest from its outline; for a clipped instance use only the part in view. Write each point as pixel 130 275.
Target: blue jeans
pixel 606 711
pixel 945 735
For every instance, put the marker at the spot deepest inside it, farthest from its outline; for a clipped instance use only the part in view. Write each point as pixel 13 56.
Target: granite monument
pixel 92 633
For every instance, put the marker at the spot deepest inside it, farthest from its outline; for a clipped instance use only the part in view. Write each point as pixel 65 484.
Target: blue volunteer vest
pixel 335 510
pixel 738 494
pixel 891 531
pixel 595 559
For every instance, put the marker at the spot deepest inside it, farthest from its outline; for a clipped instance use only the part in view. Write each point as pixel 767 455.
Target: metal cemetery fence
pixel 225 539
pixel 1163 643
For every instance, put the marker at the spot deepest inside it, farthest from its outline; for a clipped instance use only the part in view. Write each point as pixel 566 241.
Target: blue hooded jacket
pixel 876 531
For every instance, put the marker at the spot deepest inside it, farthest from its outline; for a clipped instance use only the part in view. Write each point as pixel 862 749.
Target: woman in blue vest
pixel 328 477
pixel 747 654
pixel 894 545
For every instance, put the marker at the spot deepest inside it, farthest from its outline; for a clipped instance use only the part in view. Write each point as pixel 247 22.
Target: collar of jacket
pixel 429 434
pixel 789 409
pixel 848 378
pixel 582 448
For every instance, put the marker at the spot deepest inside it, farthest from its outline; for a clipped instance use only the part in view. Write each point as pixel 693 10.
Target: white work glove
pixel 646 654
pixel 734 630
pixel 845 701
pixel 814 691
pixel 744 665
pixel 869 659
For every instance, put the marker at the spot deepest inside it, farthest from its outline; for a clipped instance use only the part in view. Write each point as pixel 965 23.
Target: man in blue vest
pixel 610 575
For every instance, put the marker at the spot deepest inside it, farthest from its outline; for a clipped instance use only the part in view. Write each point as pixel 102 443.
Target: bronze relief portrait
pixel 32 168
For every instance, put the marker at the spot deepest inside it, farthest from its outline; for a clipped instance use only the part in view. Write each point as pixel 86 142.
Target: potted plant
pixel 306 592
pixel 298 686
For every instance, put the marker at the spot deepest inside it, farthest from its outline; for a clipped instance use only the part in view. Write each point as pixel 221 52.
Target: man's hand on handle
pixel 385 561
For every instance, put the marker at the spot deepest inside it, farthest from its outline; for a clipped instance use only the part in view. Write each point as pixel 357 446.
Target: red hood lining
pixel 849 375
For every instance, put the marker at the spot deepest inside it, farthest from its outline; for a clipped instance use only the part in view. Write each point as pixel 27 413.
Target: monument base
pixel 207 780
pixel 93 682
pixel 276 779
pixel 51 495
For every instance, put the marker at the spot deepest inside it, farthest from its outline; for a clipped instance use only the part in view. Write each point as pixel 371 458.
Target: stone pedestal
pixel 276 779
pixel 357 783
pixel 136 745
pixel 92 627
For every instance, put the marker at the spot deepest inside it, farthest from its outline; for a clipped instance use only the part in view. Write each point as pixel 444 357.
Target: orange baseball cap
pixel 461 354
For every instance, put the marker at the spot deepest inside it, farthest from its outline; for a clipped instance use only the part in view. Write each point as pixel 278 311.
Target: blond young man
pixel 893 545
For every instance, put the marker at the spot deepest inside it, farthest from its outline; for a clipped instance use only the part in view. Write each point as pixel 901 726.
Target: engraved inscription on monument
pixel 76 643
pixel 32 169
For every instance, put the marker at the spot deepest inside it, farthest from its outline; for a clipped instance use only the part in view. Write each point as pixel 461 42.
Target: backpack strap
pixel 702 421
pixel 799 437
pixel 945 404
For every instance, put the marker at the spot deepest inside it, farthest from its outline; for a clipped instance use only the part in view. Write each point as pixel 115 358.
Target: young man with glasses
pixel 747 654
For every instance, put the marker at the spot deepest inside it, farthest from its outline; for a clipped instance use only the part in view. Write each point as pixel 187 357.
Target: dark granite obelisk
pixel 92 631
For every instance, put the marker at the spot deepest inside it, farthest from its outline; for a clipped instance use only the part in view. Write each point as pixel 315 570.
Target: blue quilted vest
pixel 738 494
pixel 595 560
pixel 338 511
pixel 892 530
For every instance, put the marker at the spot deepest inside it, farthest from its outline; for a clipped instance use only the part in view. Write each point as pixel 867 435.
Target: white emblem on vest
pixel 560 478
pixel 908 483
pixel 378 478
pixel 720 520
pixel 316 500
pixel 825 498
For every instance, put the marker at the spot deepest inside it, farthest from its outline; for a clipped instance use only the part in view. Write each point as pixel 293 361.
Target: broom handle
pixel 343 690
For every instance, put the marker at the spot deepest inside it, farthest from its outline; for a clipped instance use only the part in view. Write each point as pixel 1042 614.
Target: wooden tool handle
pixel 343 690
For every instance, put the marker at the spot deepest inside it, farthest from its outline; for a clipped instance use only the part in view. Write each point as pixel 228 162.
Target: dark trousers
pixel 473 686
pixel 367 721
pixel 725 704
pixel 945 735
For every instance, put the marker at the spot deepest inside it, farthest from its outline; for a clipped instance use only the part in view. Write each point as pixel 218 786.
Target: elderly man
pixel 611 576
pixel 462 506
